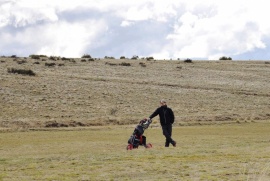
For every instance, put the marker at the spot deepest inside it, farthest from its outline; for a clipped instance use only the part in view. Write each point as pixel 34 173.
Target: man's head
pixel 163 102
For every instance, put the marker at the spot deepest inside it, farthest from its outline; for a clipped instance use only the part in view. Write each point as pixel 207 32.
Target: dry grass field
pixel 108 92
pixel 72 119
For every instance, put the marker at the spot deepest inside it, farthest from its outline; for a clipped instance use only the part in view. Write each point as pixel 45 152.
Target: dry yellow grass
pixel 208 152
pixel 98 93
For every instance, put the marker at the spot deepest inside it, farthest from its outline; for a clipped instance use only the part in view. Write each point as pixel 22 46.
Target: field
pixel 79 92
pixel 208 152
pixel 69 119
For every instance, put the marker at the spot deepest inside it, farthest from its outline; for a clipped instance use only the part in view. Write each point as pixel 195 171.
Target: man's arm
pixel 154 114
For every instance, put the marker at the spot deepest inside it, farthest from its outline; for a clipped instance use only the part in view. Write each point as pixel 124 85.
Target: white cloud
pixel 177 28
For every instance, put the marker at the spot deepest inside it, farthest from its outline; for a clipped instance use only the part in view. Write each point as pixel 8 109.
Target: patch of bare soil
pixel 75 93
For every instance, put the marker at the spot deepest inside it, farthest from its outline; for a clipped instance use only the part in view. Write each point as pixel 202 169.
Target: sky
pixel 163 29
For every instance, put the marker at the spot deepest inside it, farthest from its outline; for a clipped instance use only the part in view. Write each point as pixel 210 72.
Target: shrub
pixel 142 64
pixel 13 56
pixel 21 71
pixel 107 57
pixel 135 57
pixel 21 61
pixel 149 58
pixel 125 64
pixel 34 56
pixel 86 56
pixel 225 58
pixel 64 58
pixel 122 57
pixel 52 58
pixel 91 59
pixel 50 64
pixel 188 60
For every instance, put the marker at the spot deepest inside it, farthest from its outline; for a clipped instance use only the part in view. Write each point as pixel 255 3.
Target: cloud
pixel 164 29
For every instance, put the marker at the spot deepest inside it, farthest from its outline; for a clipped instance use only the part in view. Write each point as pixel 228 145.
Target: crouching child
pixel 137 138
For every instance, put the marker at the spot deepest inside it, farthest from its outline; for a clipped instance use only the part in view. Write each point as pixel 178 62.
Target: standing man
pixel 166 117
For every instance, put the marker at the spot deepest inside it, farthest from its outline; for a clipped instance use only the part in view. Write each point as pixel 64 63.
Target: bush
pixel 142 64
pixel 125 64
pixel 64 58
pixel 21 61
pixel 188 60
pixel 149 58
pixel 135 57
pixel 34 56
pixel 52 58
pixel 107 57
pixel 50 64
pixel 122 57
pixel 21 71
pixel 225 58
pixel 86 56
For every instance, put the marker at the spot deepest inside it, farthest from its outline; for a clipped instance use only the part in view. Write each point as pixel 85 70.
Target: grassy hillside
pixel 83 92
pixel 207 153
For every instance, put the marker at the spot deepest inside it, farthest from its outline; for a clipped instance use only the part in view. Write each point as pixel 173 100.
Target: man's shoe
pixel 174 144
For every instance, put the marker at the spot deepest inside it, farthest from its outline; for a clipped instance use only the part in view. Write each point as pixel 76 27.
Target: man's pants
pixel 167 132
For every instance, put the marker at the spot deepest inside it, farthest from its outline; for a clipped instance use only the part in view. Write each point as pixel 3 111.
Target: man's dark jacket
pixel 166 115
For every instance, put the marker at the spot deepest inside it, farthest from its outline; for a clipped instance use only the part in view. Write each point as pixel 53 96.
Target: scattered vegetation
pixel 64 58
pixel 225 58
pixel 135 57
pixel 122 57
pixel 149 58
pixel 50 64
pixel 21 71
pixel 21 61
pixel 115 64
pixel 142 64
pixel 54 58
pixel 34 57
pixel 107 57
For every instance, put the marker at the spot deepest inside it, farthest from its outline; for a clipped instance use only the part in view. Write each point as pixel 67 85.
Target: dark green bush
pixel 135 57
pixel 125 64
pixel 188 60
pixel 34 57
pixel 50 64
pixel 149 58
pixel 225 58
pixel 21 71
pixel 86 56
pixel 107 57
pixel 142 64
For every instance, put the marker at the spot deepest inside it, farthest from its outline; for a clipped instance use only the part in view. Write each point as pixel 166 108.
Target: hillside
pixel 82 92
